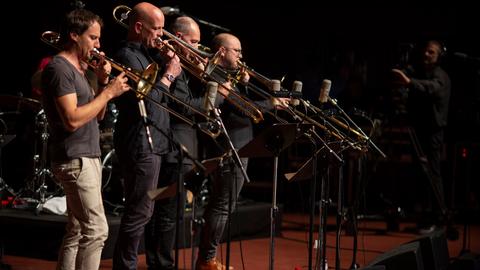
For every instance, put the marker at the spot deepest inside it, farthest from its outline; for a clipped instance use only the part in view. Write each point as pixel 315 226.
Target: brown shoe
pixel 212 264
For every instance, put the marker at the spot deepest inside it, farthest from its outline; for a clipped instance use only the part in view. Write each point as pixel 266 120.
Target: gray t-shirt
pixel 60 78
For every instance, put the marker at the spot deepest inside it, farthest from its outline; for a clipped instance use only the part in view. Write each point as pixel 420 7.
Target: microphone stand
pixel 238 162
pixel 180 186
pixel 212 25
pixel 321 256
pixel 176 11
pixel 313 187
pixel 340 185
pixel 236 157
pixel 369 141
pixel 270 143
pixel 143 113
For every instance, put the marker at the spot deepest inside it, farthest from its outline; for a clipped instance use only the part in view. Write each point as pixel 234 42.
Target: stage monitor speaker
pixel 467 261
pixel 434 248
pixel 407 256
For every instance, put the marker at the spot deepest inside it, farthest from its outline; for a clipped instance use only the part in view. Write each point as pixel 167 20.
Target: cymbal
pixel 9 103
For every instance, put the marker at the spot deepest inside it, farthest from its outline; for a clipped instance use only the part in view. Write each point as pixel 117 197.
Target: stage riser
pixel 25 234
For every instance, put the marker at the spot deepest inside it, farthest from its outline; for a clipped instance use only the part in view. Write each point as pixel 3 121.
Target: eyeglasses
pixel 239 51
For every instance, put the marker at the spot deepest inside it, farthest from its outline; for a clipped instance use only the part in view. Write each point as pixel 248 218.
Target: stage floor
pixel 27 234
pixel 290 248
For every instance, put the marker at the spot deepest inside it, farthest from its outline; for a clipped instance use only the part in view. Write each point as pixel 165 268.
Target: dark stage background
pixel 355 44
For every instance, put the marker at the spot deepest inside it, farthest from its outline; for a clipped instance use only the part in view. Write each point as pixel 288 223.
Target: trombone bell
pixel 147 80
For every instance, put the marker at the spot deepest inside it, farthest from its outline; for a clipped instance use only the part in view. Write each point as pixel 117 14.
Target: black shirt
pixel 428 98
pixel 130 136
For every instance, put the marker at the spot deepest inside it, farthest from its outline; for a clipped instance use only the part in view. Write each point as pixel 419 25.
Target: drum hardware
pixel 112 185
pixel 16 125
pixel 4 140
pixel 36 184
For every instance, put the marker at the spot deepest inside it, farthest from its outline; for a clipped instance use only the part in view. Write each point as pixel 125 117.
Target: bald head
pixel 224 40
pixel 187 30
pixel 145 12
pixel 146 24
pixel 185 24
pixel 229 49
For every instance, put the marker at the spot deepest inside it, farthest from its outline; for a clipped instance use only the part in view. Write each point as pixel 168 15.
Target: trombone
pixel 121 13
pixel 339 123
pixel 145 81
pixel 330 122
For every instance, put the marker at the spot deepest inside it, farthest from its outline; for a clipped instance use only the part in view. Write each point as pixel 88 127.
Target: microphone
pixel 325 91
pixel 461 55
pixel 210 96
pixel 466 57
pixel 297 87
pixel 275 87
pixel 171 11
pixel 143 114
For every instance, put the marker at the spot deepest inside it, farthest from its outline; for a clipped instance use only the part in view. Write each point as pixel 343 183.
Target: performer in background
pixel 160 231
pixel 228 178
pixel 72 108
pixel 428 99
pixel 141 161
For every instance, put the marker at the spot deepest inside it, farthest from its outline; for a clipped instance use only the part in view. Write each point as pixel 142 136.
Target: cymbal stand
pixel 37 183
pixel 4 140
pixel 42 171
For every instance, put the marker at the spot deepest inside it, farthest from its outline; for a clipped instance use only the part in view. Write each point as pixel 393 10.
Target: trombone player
pixel 140 140
pixel 228 178
pixel 160 231
pixel 72 108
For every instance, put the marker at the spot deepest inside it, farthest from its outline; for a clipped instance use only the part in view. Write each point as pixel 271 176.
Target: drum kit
pixel 24 168
pixel 26 179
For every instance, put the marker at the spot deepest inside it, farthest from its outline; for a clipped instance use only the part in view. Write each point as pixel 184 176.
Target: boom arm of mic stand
pixel 213 25
pixel 236 157
pixel 187 154
pixel 369 141
pixel 180 147
pixel 326 145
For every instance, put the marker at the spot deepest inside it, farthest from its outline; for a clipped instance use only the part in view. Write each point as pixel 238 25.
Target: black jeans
pixel 160 231
pixel 226 179
pixel 140 176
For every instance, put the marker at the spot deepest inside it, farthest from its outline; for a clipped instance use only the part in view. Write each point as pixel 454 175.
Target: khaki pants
pixel 87 227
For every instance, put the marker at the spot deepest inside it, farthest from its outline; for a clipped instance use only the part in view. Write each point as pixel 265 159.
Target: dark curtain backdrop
pixel 355 44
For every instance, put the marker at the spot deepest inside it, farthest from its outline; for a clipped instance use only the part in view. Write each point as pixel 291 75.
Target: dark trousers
pixel 434 201
pixel 160 231
pixel 140 176
pixel 226 179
